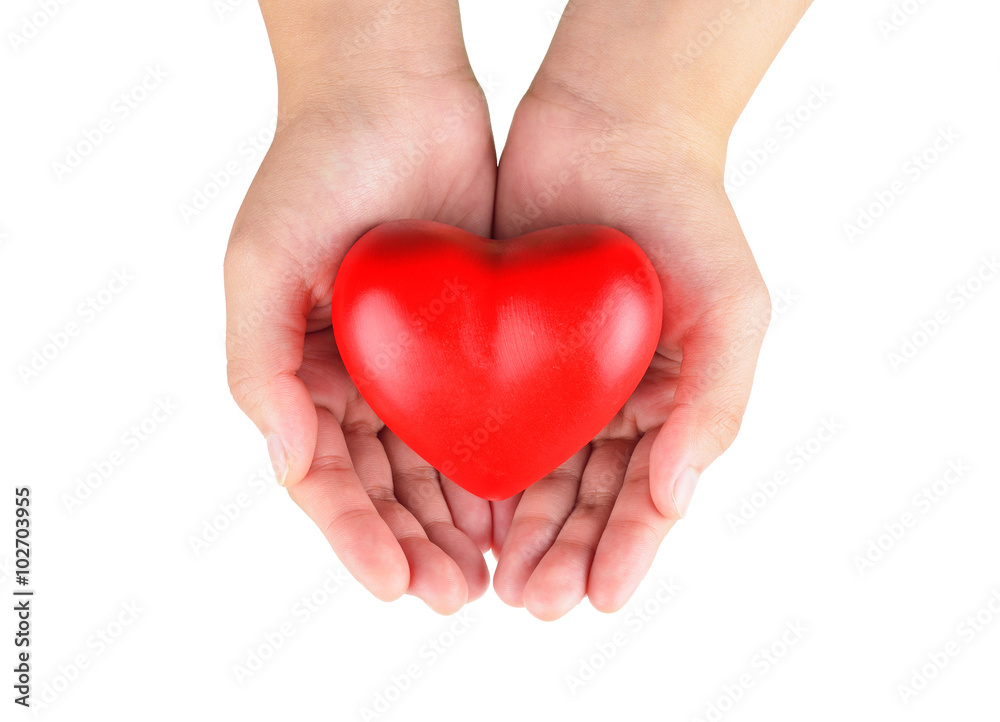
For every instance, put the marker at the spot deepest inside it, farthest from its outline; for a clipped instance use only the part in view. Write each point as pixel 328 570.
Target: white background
pixel 201 613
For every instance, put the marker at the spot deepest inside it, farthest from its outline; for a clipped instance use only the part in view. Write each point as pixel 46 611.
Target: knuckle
pixel 415 484
pixel 383 499
pixel 753 301
pixel 591 501
pixel 646 534
pixel 332 464
pixel 346 521
pixel 761 303
pixel 541 529
pixel 237 374
pixel 239 255
pixel 437 528
pixel 743 304
pixel 724 423
pixel 243 385
pixel 579 547
pixel 562 476
pixel 250 254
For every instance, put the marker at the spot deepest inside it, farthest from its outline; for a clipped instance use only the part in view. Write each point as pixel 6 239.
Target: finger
pixel 267 302
pixel 559 582
pixel 327 380
pixel 434 576
pixel 502 513
pixel 418 488
pixel 634 532
pixel 471 514
pixel 333 497
pixel 717 368
pixel 540 514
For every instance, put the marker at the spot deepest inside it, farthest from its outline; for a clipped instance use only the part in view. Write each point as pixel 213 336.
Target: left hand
pixel 593 526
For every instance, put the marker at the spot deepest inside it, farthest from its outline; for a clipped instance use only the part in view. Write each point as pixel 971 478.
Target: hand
pixel 591 156
pixel 409 139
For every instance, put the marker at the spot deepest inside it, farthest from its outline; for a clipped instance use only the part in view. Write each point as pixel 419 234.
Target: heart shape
pixel 495 361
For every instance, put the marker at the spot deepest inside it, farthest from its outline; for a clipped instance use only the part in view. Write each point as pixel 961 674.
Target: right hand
pixel 401 144
pixel 593 526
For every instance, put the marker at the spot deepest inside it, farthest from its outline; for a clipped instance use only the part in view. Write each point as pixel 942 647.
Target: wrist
pixel 327 51
pixel 656 61
pixel 693 61
pixel 631 122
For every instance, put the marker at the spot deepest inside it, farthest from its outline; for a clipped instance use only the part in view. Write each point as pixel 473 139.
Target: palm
pixel 327 179
pixel 592 526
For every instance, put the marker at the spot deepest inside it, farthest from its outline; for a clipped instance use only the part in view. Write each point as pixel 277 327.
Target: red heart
pixel 496 361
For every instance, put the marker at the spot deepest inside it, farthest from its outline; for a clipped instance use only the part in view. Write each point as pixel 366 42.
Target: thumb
pixel 267 302
pixel 717 367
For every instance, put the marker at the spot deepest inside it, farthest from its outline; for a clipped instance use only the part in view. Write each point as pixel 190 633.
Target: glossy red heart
pixel 496 361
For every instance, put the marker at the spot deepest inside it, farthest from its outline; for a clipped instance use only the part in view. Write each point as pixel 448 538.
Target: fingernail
pixel 684 490
pixel 276 451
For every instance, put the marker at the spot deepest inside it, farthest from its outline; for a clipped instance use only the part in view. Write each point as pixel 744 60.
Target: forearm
pixel 324 47
pixel 700 59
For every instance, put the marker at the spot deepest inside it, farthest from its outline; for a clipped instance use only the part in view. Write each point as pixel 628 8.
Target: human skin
pixel 625 125
pixel 380 118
